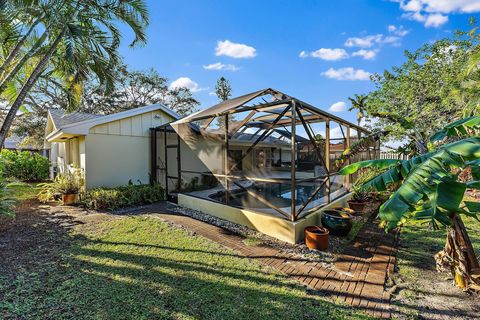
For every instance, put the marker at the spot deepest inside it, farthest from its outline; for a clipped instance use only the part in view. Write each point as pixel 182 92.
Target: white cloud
pixel 185 82
pixel 336 133
pixel 221 66
pixel 330 54
pixel 364 42
pixel 234 50
pixel 434 13
pixel 413 5
pixel 441 6
pixel 348 73
pixel 398 31
pixel 434 20
pixel 339 106
pixel 326 54
pixel 365 54
pixel 395 36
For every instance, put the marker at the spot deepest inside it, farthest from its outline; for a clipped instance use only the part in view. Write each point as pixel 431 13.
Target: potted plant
pixel 67 184
pixel 359 200
pixel 338 222
pixel 316 237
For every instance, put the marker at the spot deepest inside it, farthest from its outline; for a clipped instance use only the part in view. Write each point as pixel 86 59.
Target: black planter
pixel 337 222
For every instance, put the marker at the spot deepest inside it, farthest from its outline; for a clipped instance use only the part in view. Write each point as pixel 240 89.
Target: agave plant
pixel 429 189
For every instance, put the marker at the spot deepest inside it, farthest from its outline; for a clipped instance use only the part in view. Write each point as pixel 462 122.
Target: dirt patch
pixel 37 233
pixel 432 295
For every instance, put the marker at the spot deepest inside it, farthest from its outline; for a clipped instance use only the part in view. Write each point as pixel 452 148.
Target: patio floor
pixel 358 277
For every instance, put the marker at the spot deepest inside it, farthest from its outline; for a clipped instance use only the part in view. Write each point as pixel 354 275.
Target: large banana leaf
pixel 457 129
pixel 399 169
pixel 430 190
pixel 377 164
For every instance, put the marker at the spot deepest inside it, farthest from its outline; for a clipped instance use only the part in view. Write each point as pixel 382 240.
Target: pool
pixel 278 194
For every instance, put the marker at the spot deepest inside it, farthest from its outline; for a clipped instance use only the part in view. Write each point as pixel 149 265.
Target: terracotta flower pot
pixel 70 198
pixel 316 237
pixel 357 206
pixel 337 222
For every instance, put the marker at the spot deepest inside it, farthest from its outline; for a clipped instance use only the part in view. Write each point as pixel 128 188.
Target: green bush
pixel 120 197
pixel 23 165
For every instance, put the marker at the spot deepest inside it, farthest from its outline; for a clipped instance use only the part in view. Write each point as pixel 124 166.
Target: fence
pixel 393 155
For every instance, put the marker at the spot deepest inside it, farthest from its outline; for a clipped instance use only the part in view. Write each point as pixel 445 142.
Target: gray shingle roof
pixel 61 118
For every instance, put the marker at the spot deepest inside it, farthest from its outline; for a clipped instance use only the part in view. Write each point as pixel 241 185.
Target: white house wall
pixel 119 151
pixel 68 154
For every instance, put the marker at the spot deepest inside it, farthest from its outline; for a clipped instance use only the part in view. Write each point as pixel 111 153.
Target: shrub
pixel 24 165
pixel 124 196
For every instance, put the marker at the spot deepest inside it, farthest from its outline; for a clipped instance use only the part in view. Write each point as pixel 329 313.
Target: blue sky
pixel 318 51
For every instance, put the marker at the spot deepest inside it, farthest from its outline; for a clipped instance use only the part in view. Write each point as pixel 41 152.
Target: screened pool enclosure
pixel 264 151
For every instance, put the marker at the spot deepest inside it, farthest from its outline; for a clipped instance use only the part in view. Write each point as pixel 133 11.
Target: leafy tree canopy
pixel 417 98
pixel 132 89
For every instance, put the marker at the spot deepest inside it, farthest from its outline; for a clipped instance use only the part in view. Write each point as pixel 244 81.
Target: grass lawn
pixel 22 190
pixel 115 267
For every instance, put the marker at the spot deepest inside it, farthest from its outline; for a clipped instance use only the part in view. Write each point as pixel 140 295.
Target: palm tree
pixel 16 15
pixel 358 103
pixel 83 39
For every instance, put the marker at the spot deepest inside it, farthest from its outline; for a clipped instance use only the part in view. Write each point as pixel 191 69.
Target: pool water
pixel 279 194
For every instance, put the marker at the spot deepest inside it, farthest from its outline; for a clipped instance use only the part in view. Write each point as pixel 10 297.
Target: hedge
pixel 24 165
pixel 124 196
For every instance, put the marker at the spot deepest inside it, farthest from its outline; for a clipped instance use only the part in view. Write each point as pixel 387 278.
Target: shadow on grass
pixel 137 268
pixel 55 273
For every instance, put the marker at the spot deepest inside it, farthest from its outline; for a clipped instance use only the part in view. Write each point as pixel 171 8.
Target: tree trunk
pixel 21 63
pixel 458 255
pixel 16 49
pixel 421 146
pixel 7 123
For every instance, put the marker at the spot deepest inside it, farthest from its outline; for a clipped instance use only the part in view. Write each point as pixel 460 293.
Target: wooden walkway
pixel 357 278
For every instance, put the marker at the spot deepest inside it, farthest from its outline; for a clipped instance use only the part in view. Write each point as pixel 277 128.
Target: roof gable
pixel 79 123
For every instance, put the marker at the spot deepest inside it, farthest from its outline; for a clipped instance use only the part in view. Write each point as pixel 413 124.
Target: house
pixel 111 149
pixel 265 160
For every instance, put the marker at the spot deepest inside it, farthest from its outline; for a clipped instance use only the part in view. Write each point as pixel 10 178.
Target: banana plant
pixel 429 189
